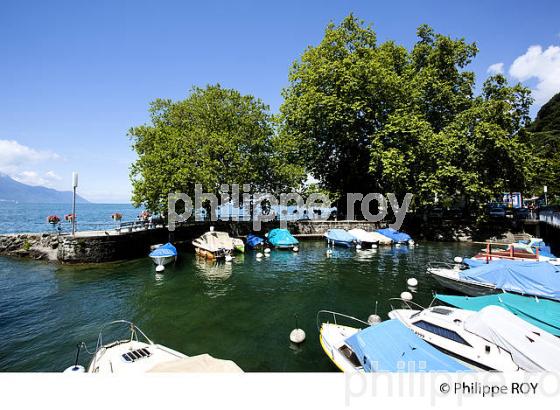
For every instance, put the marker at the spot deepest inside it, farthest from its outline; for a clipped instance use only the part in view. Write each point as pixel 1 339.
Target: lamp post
pixel 545 198
pixel 74 186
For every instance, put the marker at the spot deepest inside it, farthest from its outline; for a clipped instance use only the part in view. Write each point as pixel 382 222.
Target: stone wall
pixel 36 246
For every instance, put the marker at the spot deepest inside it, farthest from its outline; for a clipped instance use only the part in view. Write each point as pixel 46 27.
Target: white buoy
pixel 160 268
pixel 266 250
pixel 329 252
pixel 397 245
pixel 458 259
pixel 412 282
pixel 411 243
pixel 75 369
pixel 373 246
pixel 373 319
pixel 259 255
pixel 267 255
pixel 358 246
pixel 406 296
pixel 229 258
pixel 297 336
pixel 295 249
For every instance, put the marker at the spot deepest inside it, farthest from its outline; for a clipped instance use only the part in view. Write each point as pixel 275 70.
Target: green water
pixel 242 311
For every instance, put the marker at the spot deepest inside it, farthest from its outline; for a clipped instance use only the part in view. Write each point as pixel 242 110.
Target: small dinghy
pixel 282 239
pixel 137 354
pixel 163 255
pixel 386 347
pixel 339 237
pixel 367 239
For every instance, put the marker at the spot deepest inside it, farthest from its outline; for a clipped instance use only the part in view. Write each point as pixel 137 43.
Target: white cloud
pixel 544 66
pixel 14 156
pixel 17 159
pixel 497 68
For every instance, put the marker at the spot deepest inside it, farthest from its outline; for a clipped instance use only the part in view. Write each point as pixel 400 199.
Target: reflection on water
pixel 243 310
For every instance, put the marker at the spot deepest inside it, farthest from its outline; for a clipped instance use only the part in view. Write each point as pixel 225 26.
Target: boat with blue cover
pixel 386 347
pixel 339 237
pixel 163 255
pixel 254 241
pixel 542 313
pixel 395 236
pixel 540 279
pixel 282 239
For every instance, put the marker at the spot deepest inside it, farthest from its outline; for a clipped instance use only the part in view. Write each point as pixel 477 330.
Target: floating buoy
pixel 458 259
pixel 329 252
pixel 397 245
pixel 412 282
pixel 373 246
pixel 266 250
pixel 373 319
pixel 295 249
pixel 160 268
pixel 229 258
pixel 297 335
pixel 267 255
pixel 259 255
pixel 411 243
pixel 75 369
pixel 358 246
pixel 406 296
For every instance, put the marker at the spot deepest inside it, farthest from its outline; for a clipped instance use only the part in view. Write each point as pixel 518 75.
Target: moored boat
pixel 136 353
pixel 368 239
pixel 339 237
pixel 254 241
pixel 282 239
pixel 491 339
pixel 163 255
pixel 238 245
pixel 542 313
pixel 214 245
pixel 396 236
pixel 386 347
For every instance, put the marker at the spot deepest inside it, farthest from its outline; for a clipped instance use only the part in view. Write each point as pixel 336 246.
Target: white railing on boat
pixel 334 316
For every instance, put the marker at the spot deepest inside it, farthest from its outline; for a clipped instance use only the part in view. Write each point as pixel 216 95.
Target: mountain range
pixel 12 190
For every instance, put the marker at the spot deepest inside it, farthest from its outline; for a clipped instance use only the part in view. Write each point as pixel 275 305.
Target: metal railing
pixel 335 315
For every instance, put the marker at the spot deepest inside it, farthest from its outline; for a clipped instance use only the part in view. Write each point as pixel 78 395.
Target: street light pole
pixel 74 186
pixel 545 198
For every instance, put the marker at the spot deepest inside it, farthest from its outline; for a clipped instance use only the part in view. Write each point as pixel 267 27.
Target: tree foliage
pixel 371 116
pixel 215 136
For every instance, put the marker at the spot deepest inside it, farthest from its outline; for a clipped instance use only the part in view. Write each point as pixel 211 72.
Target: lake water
pixel 243 311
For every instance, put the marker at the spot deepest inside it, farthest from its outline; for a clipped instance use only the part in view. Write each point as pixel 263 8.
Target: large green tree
pixel 215 136
pixel 371 117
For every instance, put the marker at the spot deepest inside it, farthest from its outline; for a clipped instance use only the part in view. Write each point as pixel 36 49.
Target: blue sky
pixel 76 75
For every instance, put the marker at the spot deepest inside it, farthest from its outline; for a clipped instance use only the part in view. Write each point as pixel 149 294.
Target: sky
pixel 76 75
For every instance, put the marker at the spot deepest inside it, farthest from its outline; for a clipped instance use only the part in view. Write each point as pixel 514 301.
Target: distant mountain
pixel 11 190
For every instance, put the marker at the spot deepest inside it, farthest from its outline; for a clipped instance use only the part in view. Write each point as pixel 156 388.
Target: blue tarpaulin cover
pixel 164 251
pixel 281 237
pixel 253 240
pixel 528 278
pixel 339 236
pixel 395 235
pixel 542 313
pixel 392 347
pixel 473 263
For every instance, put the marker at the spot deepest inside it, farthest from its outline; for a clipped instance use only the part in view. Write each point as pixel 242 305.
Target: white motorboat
pixel 448 275
pixel 366 238
pixel 385 347
pixel 491 339
pixel 214 245
pixel 163 255
pixel 138 354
